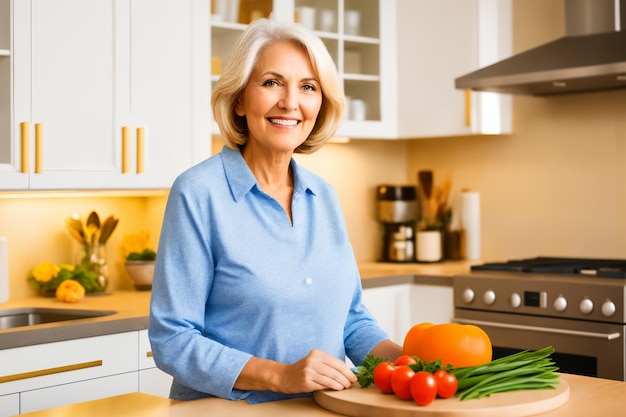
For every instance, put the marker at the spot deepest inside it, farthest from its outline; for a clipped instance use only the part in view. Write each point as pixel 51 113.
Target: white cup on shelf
pixel 358 110
pixel 352 22
pixel 327 20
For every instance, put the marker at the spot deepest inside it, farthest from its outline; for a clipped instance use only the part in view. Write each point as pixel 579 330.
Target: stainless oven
pixel 580 314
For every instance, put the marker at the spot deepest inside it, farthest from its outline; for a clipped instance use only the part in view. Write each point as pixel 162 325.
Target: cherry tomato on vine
pixel 447 383
pixel 405 360
pixel 401 382
pixel 423 388
pixel 382 376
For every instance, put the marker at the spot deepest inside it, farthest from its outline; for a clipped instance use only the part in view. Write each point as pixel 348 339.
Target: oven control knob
pixel 608 308
pixel 560 304
pixel 489 297
pixel 515 300
pixel 468 296
pixel 586 306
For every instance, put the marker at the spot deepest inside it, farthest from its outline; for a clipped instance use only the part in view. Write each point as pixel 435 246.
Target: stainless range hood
pixel 591 57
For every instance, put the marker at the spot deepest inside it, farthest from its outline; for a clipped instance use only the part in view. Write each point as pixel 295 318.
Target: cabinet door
pixel 11 176
pixel 155 382
pixel 161 91
pixel 151 379
pixel 9 405
pixel 391 306
pixel 438 41
pixel 41 366
pixel 431 304
pixel 89 390
pixel 65 82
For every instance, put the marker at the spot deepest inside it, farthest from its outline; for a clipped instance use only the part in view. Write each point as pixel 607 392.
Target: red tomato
pixel 382 376
pixel 401 382
pixel 446 383
pixel 423 388
pixel 405 360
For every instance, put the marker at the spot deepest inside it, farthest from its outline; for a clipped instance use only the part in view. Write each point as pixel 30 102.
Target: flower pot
pixel 140 272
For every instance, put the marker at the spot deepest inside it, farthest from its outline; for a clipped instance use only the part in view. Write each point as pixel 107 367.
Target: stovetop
pixel 608 268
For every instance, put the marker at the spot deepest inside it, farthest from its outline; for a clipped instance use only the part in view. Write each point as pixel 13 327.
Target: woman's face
pixel 282 98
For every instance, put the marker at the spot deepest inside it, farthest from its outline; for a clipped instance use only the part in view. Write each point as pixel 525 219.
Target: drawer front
pixel 39 366
pixel 9 405
pixel 156 382
pixel 92 389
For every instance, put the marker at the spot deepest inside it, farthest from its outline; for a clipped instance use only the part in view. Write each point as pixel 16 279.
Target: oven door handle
pixel 605 336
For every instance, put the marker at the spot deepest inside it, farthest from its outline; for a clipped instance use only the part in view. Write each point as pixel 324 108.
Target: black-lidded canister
pixel 397 204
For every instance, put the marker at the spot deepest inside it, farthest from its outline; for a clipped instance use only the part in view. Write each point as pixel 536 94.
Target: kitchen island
pixel 588 397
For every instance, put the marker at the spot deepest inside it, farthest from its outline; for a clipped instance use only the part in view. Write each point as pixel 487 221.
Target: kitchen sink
pixel 31 316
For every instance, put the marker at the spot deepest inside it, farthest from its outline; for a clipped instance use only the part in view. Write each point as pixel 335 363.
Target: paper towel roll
pixel 470 224
pixel 4 271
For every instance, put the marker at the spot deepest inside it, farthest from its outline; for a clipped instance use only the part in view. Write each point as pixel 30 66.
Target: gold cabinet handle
pixel 25 137
pixel 38 148
pixel 468 107
pixel 149 354
pixel 140 150
pixel 125 150
pixel 50 371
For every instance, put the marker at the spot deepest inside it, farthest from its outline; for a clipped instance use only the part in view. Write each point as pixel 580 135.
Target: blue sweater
pixel 234 279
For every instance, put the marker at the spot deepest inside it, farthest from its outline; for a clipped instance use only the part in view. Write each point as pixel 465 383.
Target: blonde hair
pixel 237 71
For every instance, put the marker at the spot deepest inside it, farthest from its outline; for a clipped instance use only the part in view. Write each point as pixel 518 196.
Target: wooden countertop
pixel 588 397
pixel 131 313
pixel 436 269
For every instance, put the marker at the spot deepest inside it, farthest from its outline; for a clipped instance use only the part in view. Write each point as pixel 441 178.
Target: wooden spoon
pixel 425 179
pixel 75 227
pixel 108 227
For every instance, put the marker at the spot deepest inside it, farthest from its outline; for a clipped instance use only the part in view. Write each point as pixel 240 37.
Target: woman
pixel 256 291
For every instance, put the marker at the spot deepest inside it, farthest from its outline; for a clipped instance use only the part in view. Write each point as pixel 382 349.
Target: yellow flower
pixel 45 272
pixel 70 291
pixel 135 243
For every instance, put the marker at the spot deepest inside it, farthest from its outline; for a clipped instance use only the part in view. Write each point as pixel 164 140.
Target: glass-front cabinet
pixel 351 31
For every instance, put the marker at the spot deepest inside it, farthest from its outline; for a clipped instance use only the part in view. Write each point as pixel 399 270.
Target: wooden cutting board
pixel 370 402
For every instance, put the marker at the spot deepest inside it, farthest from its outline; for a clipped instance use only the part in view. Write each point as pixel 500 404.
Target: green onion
pixel 522 370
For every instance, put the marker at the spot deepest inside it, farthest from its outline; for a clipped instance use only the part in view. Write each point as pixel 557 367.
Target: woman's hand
pixel 317 370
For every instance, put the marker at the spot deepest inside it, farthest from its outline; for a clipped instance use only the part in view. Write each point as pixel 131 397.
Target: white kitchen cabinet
pixel 9 405
pixel 399 307
pixel 431 303
pixel 151 379
pixel 438 41
pixel 391 305
pixel 70 371
pixel 86 72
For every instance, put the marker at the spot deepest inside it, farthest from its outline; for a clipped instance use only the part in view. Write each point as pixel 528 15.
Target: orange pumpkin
pixel 456 344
